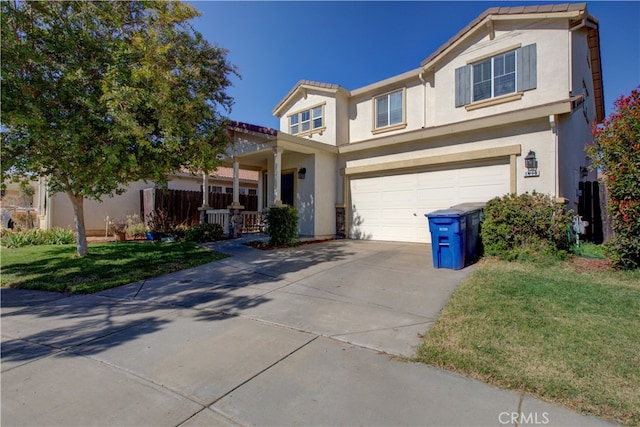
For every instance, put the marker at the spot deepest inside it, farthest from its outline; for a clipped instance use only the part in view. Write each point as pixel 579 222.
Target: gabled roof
pixel 301 87
pixel 566 10
pixel 576 12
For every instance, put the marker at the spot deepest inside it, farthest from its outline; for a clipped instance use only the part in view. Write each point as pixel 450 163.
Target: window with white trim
pixel 510 72
pixel 307 121
pixel 495 76
pixel 389 109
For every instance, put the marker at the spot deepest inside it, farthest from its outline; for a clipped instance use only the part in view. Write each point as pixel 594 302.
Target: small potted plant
pixel 118 228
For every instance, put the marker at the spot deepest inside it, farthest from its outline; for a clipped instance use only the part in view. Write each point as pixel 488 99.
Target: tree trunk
pixel 78 210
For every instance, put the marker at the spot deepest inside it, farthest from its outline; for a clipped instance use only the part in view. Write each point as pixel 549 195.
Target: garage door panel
pixel 398 200
pixel 437 179
pixel 392 207
pixel 481 193
pixel 489 174
pixel 397 233
pixel 396 184
pixel 436 194
pixel 373 215
pixel 398 214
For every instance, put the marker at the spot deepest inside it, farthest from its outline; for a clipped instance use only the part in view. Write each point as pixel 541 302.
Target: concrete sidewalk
pixel 304 336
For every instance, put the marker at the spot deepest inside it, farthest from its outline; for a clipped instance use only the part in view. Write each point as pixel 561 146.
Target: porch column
pixel 205 190
pixel 235 209
pixel 236 183
pixel 43 222
pixel 205 199
pixel 277 175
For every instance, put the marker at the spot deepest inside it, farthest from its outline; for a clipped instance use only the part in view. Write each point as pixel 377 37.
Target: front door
pixel 287 189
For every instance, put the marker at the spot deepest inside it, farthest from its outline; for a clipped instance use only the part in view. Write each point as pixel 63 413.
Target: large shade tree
pixel 99 94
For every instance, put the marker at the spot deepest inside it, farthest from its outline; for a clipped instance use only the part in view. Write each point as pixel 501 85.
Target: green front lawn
pixel 568 332
pixel 57 267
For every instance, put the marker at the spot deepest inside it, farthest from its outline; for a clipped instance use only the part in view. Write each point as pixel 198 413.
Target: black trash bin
pixel 448 234
pixel 473 243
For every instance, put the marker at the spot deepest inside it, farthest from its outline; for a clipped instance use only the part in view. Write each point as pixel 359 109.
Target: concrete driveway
pixel 304 336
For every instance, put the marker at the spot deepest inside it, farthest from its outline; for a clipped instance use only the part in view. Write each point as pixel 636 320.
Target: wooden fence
pixel 589 208
pixel 182 206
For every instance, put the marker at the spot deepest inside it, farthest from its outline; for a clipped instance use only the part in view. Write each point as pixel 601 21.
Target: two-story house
pixel 504 106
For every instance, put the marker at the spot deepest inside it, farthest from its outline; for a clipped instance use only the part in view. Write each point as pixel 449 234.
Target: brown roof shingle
pixel 548 8
pixel 305 83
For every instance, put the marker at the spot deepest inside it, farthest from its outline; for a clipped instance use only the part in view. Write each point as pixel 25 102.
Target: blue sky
pixel 353 44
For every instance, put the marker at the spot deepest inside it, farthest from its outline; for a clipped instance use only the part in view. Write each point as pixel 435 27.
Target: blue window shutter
pixel 527 64
pixel 463 85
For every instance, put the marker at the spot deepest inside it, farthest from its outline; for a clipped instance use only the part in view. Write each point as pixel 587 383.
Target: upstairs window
pixel 307 121
pixel 502 74
pixel 495 76
pixel 294 124
pixel 389 109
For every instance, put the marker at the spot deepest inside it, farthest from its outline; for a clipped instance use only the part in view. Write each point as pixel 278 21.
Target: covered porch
pixel 292 171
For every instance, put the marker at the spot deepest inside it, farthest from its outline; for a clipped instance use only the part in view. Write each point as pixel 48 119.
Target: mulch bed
pixel 589 264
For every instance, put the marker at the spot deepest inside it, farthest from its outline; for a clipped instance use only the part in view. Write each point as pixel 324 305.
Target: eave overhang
pixel 484 23
pixel 301 89
pixel 542 111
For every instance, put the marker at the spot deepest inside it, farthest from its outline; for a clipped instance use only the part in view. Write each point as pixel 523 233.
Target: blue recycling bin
pixel 448 234
pixel 473 244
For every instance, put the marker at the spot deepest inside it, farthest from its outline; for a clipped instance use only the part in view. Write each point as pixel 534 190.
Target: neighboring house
pixel 56 210
pixel 16 204
pixel 517 85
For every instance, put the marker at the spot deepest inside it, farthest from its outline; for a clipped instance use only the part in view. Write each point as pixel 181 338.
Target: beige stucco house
pixel 516 84
pixel 55 210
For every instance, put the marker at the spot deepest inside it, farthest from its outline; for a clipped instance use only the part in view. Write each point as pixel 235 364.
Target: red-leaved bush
pixel 616 151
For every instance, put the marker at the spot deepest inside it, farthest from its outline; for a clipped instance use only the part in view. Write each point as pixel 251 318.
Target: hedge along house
pixel 504 106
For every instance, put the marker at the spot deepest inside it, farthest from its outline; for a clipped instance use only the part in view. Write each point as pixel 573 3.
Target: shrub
pixel 519 226
pixel 180 231
pixel 160 222
pixel 23 220
pixel 282 226
pixel 33 237
pixel 135 227
pixel 616 150
pixel 60 236
pixel 204 233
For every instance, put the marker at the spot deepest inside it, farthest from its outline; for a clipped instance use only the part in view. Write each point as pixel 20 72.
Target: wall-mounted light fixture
pixel 531 163
pixel 584 172
pixel 302 172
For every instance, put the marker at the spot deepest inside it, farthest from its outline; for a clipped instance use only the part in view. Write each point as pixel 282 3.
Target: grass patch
pixel 59 269
pixel 589 250
pixel 563 333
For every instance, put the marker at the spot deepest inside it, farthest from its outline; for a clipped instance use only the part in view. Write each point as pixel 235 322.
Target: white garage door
pixel 392 207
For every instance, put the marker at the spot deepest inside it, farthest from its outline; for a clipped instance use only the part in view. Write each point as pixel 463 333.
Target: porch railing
pixel 219 216
pixel 252 221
